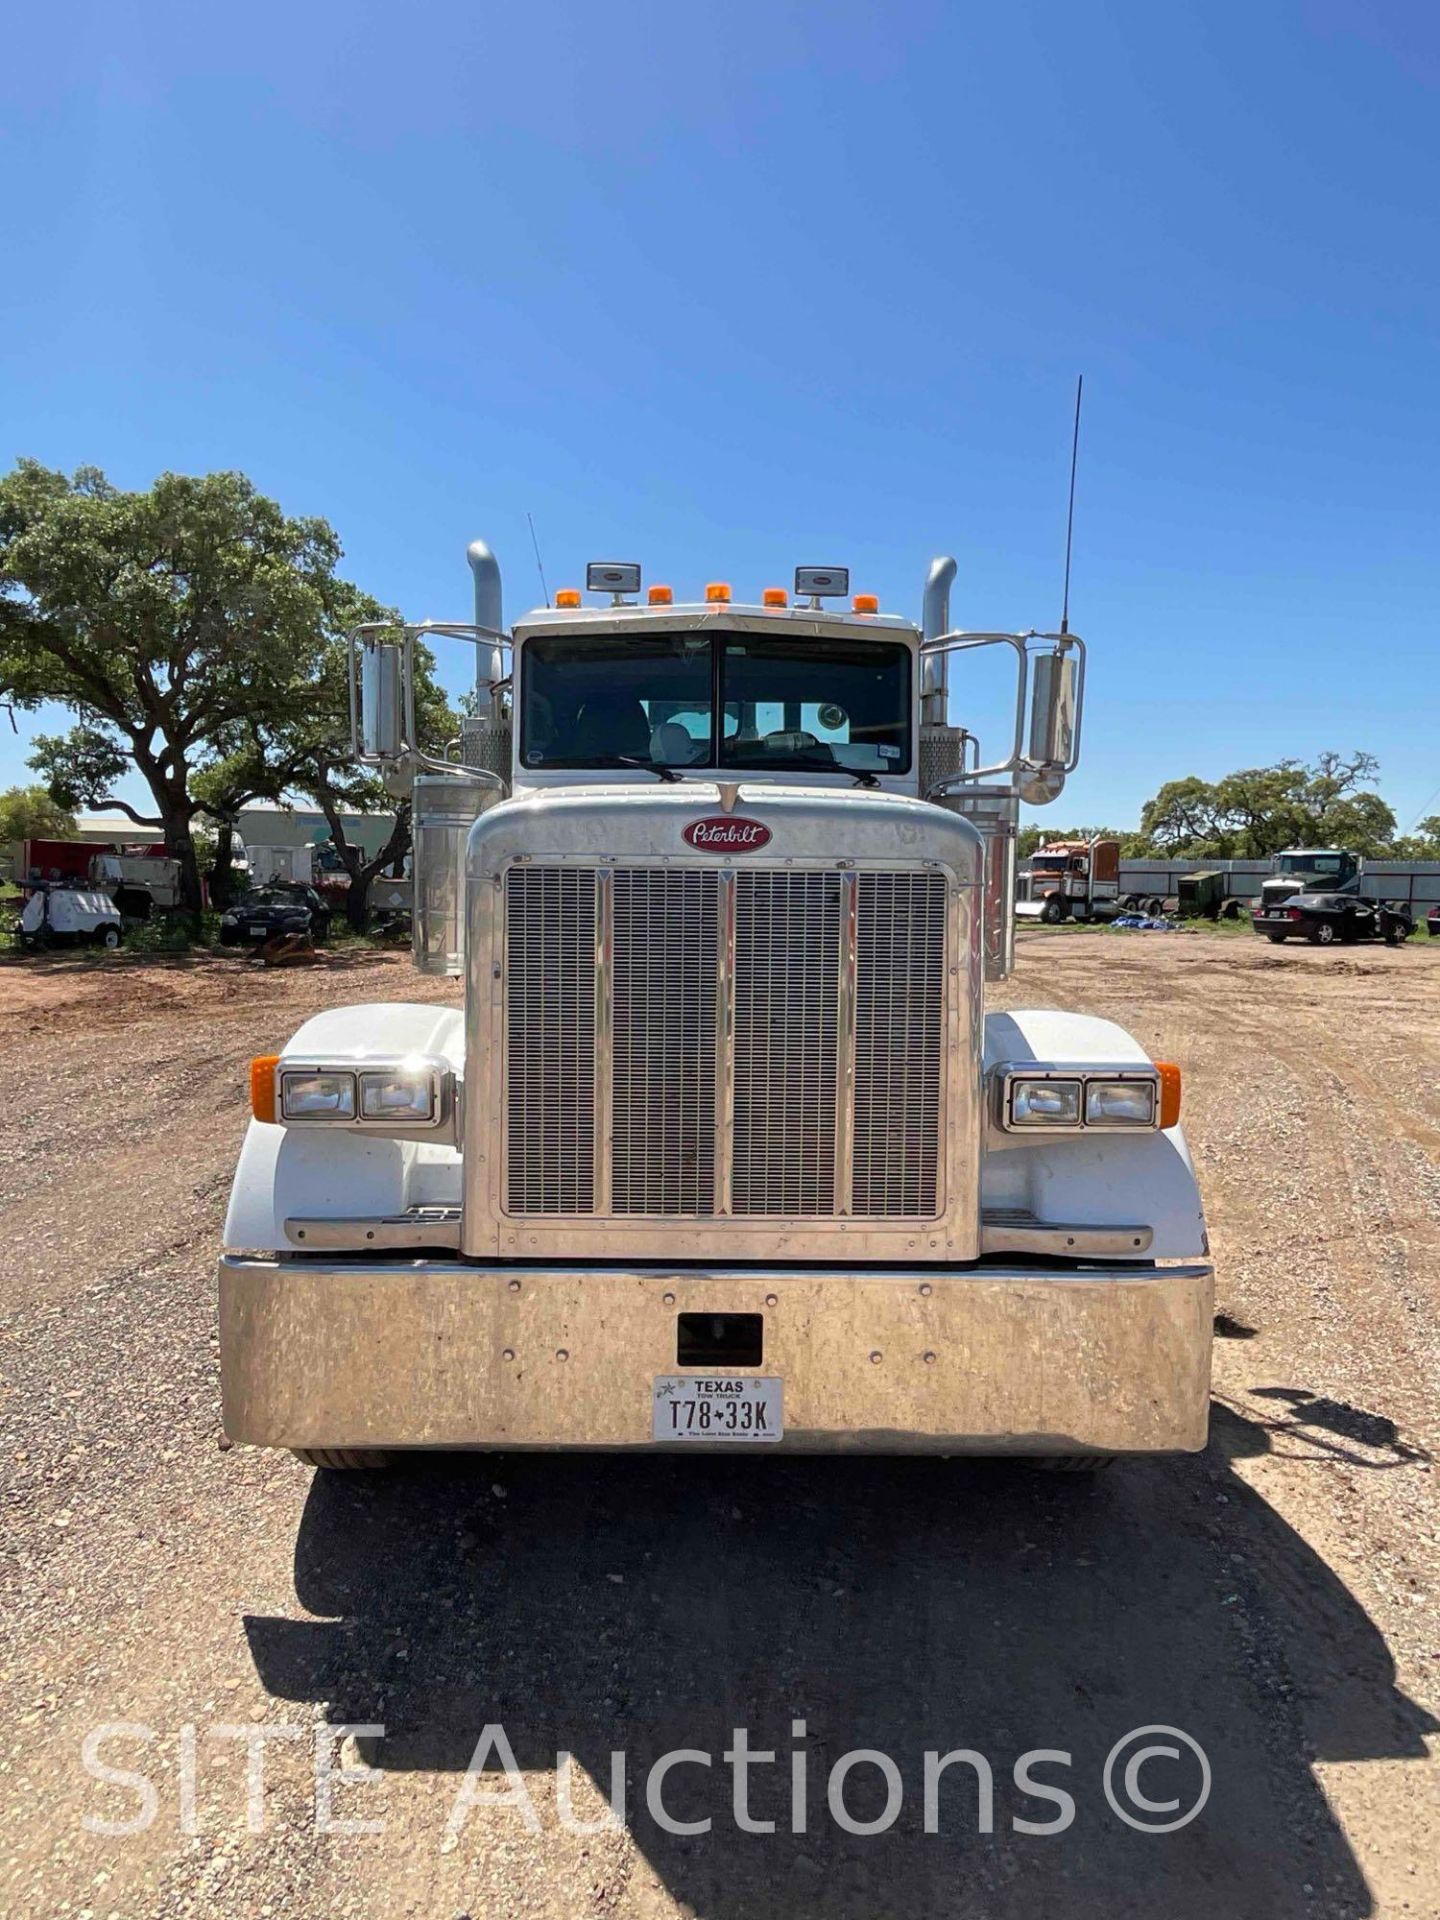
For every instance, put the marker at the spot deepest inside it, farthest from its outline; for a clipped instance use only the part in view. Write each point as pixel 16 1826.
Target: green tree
pixel 1256 811
pixel 303 752
pixel 32 813
pixel 166 619
pixel 1421 844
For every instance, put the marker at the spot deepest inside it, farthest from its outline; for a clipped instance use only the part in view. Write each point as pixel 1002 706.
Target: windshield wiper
pixel 657 767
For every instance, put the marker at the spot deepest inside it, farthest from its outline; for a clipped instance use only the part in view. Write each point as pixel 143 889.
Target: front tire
pixel 109 938
pixel 1324 936
pixel 1075 1462
pixel 343 1459
pixel 1053 912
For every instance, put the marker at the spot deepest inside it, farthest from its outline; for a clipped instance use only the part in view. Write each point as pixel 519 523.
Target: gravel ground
pixel 1275 1597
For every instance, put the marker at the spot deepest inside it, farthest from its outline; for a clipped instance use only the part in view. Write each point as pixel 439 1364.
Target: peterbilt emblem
pixel 726 833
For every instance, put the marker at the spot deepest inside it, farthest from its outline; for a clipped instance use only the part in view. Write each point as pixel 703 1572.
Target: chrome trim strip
pixel 419 1227
pixel 845 1049
pixel 725 1044
pixel 604 1129
pixel 1007 1230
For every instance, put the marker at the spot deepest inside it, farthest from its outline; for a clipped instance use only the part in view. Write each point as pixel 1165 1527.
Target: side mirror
pixel 381 704
pixel 1054 710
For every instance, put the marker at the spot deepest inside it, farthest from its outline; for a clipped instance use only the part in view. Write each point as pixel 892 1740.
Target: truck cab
pixel 1309 870
pixel 723 1147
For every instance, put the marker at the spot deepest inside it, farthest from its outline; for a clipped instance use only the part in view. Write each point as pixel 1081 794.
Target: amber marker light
pixel 661 597
pixel 568 597
pixel 717 592
pixel 866 603
pixel 1169 1092
pixel 775 597
pixel 262 1086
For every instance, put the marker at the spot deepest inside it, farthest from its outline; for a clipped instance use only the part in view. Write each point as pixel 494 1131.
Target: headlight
pixel 1044 1103
pixel 1120 1103
pixel 317 1096
pixel 1072 1099
pixel 405 1097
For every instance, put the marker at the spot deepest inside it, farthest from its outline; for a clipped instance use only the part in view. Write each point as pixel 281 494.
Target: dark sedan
pixel 1325 919
pixel 269 911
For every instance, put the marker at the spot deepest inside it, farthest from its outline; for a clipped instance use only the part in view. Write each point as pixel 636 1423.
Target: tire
pixel 1075 1462
pixel 1053 912
pixel 109 938
pixel 1324 935
pixel 1276 939
pixel 1154 906
pixel 343 1459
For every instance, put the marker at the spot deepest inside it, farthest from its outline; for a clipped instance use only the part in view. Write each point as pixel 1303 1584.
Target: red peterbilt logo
pixel 726 833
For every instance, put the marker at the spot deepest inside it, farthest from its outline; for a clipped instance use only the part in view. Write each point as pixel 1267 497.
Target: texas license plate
pixel 726 1407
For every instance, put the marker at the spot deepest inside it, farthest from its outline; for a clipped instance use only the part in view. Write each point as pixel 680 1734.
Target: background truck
pixel 723 1147
pixel 138 883
pixel 1071 880
pixel 1310 870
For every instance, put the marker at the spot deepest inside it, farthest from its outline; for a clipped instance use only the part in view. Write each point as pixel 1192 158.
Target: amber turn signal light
pixel 1169 1092
pixel 262 1086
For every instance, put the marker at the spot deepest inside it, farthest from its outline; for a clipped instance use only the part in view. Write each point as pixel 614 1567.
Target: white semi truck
pixel 723 1147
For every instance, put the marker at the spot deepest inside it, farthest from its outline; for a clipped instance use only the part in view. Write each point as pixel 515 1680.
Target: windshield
pixel 1311 862
pixel 616 700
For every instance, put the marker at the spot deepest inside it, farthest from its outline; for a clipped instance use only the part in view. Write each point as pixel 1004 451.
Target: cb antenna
pixel 539 563
pixel 1070 514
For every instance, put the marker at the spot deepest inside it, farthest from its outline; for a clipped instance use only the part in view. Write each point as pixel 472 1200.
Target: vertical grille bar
pixel 550 1040
pixel 899 1032
pixel 787 956
pixel 663 1077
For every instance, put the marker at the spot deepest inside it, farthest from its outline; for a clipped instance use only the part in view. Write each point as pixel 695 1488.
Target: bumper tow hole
pixel 720 1339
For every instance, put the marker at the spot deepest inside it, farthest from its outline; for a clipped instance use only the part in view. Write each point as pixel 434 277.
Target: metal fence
pixel 1414 883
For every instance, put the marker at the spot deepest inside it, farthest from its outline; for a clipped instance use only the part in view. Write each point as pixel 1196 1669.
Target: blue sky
pixel 724 287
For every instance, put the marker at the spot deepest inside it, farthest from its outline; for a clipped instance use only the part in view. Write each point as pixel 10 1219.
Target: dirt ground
pixel 1274 1598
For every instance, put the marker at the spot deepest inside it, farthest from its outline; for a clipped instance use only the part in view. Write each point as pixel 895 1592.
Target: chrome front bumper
pixel 440 1353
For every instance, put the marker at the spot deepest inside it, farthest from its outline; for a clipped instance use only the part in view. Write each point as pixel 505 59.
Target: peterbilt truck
pixel 723 1147
pixel 1070 879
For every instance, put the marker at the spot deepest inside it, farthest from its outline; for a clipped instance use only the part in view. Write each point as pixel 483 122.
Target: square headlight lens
pixel 1045 1103
pixel 1124 1103
pixel 405 1099
pixel 317 1096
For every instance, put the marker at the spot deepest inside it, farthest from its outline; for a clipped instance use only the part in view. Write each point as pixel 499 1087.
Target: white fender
pixel 320 1172
pixel 1097 1179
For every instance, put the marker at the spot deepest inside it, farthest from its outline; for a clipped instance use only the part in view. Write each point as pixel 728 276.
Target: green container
pixel 1202 895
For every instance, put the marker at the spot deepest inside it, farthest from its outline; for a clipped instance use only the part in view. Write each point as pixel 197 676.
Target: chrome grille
pixel 699 1041
pixel 787 974
pixel 663 1085
pixel 550 1040
pixel 899 1026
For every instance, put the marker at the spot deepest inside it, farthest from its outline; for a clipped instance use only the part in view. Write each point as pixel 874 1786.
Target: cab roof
pixel 802 622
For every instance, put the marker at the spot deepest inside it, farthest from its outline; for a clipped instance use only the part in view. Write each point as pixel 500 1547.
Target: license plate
pixel 725 1407
pixel 257 933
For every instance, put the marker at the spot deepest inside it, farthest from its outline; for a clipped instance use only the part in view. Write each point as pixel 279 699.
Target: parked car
pixel 269 911
pixel 69 916
pixel 1326 918
pixel 1432 921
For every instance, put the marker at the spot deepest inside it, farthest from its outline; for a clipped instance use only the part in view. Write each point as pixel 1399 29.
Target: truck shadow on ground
pixel 591 1604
